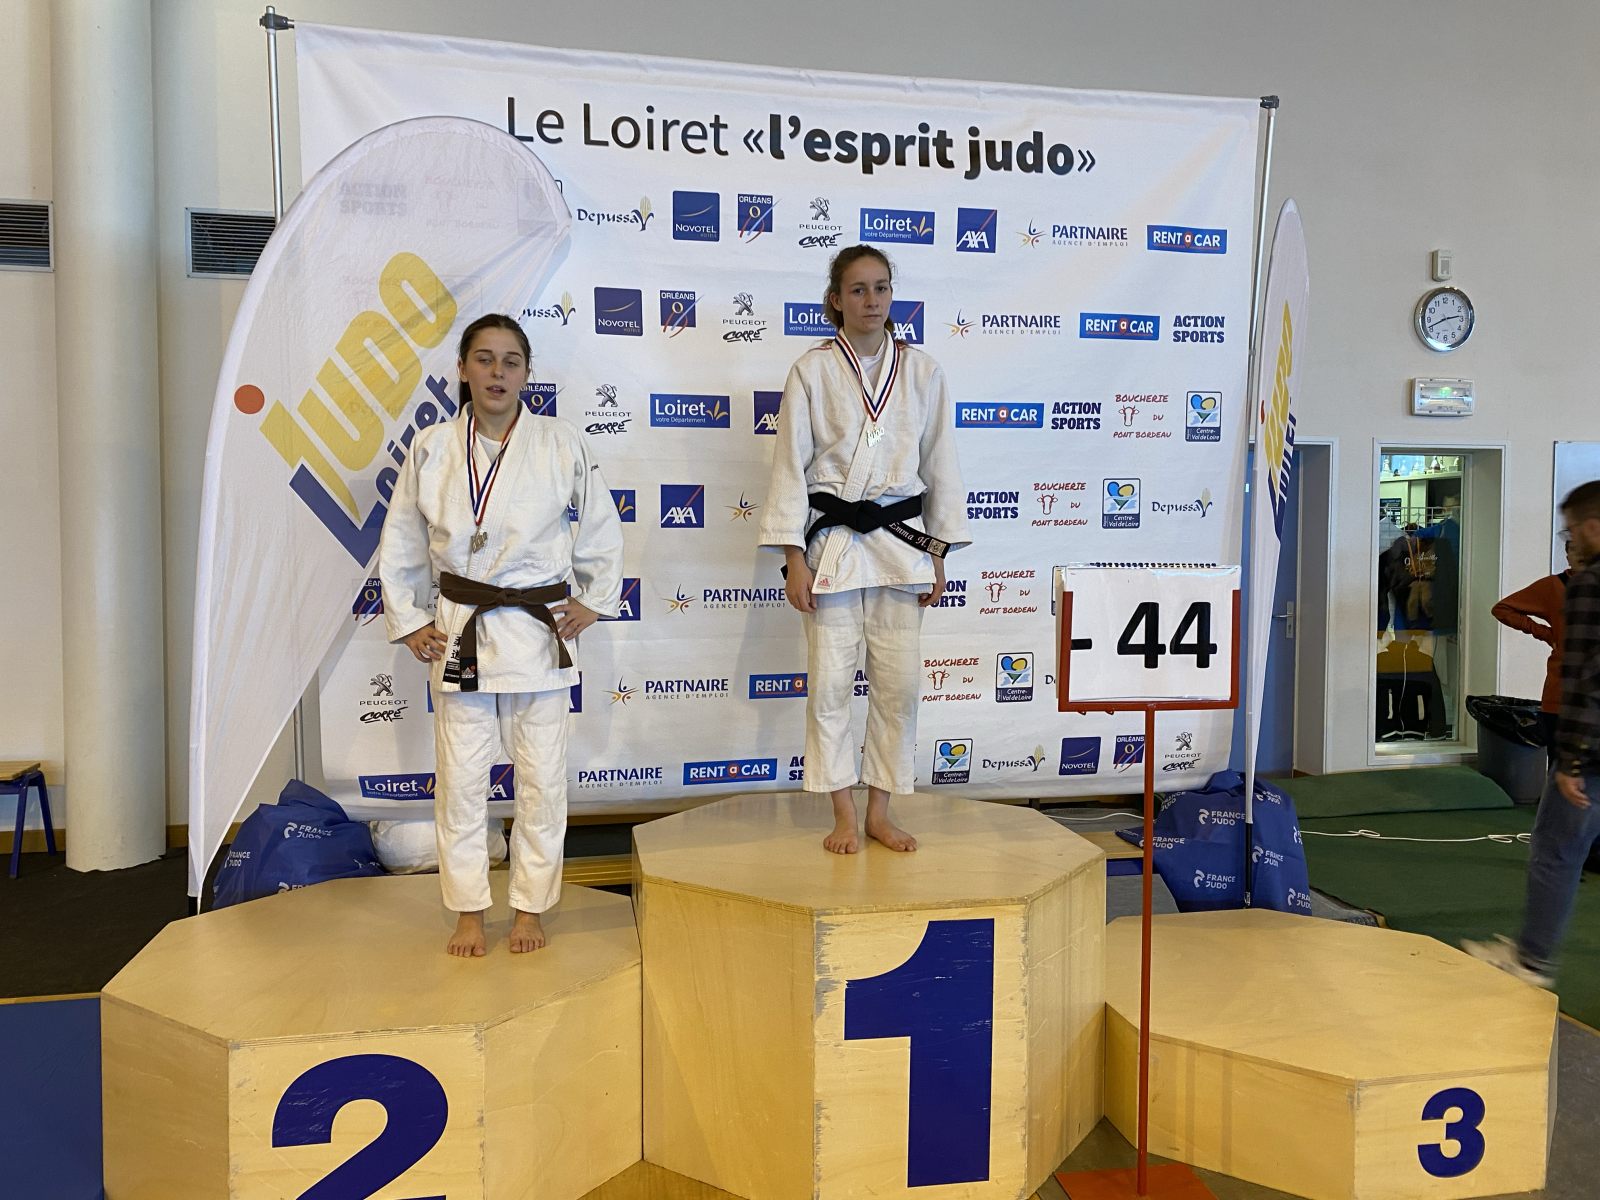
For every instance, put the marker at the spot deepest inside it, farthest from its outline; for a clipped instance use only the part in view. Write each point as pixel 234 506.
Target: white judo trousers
pixel 469 729
pixel 889 621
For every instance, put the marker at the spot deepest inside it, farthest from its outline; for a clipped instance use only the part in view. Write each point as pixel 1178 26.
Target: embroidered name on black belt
pixel 864 516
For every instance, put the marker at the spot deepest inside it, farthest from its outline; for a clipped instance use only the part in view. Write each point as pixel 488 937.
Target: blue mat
pixel 50 1100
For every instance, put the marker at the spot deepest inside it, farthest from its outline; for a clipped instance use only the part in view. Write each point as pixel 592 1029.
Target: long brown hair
pixel 491 321
pixel 836 270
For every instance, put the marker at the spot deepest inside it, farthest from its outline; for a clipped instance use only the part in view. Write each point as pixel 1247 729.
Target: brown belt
pixel 483 597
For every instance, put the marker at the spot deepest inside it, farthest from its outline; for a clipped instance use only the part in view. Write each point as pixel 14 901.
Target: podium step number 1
pixel 1112 656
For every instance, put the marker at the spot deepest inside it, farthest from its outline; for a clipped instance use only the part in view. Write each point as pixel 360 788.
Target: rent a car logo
pixel 1131 327
pixel 731 770
pixel 379 351
pixel 1183 239
pixel 1000 416
pixel 769 687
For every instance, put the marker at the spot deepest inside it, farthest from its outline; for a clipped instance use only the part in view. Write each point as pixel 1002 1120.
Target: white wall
pixel 1455 123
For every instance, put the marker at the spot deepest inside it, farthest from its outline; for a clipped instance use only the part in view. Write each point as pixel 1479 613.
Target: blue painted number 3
pixel 942 998
pixel 416 1106
pixel 1464 1133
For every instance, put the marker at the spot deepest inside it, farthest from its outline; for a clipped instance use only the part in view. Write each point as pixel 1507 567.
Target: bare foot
pixel 527 933
pixel 467 941
pixel 843 839
pixel 881 828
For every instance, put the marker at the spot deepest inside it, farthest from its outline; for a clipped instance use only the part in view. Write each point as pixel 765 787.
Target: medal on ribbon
pixel 478 490
pixel 874 404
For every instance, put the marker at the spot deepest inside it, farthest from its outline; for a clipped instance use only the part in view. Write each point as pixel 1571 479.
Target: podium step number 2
pixel 942 998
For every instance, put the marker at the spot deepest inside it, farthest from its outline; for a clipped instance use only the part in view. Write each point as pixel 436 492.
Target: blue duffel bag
pixel 1199 849
pixel 303 839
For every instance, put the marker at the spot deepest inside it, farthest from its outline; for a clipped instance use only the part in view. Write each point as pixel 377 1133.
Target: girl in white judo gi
pixel 481 506
pixel 866 500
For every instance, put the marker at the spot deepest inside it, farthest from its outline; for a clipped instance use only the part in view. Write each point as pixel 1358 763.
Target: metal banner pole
pixel 272 23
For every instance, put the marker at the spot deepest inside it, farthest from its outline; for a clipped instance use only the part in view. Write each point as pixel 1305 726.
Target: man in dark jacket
pixel 1568 822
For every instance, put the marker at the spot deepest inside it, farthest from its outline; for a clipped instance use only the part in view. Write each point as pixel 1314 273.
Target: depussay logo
pixel 999 416
pixel 1080 756
pixel 540 399
pixel 637 216
pixel 677 312
pixel 897 225
pixel 677 411
pixel 683 506
pixel 1013 678
pixel 627 504
pixel 770 687
pixel 731 770
pixel 1133 327
pixel 418 786
pixel 1120 504
pixel 767 405
pixel 696 216
pixel 975 230
pixel 805 319
pixel 952 760
pixel 1185 240
pixel 1203 417
pixel 619 311
pixel 628 610
pixel 907 318
pixel 755 216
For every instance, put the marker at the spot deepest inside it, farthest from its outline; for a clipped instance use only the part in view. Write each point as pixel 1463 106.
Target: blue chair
pixel 15 780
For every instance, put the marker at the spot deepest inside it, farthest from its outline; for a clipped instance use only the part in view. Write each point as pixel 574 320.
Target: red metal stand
pixel 1173 1181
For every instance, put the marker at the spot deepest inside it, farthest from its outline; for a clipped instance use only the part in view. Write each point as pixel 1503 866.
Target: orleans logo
pixel 375 350
pixel 677 312
pixel 755 216
pixel 622 693
pixel 952 761
pixel 540 399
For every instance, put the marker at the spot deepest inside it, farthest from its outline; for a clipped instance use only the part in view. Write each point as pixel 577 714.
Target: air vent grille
pixel 226 244
pixel 24 236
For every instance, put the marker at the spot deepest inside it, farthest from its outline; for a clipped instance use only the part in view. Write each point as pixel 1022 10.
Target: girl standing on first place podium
pixel 481 503
pixel 866 501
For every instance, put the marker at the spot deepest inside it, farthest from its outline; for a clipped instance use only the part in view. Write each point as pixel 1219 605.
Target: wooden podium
pixel 322 1043
pixel 820 1025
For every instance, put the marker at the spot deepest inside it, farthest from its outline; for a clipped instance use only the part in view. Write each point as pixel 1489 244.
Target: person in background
pixel 1568 822
pixel 1537 611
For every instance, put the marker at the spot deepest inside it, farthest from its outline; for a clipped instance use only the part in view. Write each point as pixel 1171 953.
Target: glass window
pixel 1420 615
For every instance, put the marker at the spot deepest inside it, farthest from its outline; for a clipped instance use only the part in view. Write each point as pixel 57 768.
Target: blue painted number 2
pixel 942 998
pixel 409 1093
pixel 1464 1133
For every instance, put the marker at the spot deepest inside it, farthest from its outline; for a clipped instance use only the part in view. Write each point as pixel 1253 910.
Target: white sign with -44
pixel 1145 631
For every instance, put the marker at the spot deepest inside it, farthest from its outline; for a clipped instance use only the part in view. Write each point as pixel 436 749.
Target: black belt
pixel 864 516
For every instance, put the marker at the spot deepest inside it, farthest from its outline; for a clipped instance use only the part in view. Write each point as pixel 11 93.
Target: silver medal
pixel 478 541
pixel 874 433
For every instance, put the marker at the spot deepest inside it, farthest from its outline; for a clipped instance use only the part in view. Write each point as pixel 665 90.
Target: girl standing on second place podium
pixel 481 504
pixel 866 500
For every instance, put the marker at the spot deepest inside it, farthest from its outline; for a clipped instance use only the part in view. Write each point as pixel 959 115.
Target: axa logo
pixel 767 406
pixel 906 317
pixel 622 693
pixel 683 506
pixel 639 217
pixel 560 311
pixel 376 351
pixel 975 229
pixel 628 605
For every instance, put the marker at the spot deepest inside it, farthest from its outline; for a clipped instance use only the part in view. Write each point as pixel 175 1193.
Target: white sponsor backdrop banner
pixel 1078 261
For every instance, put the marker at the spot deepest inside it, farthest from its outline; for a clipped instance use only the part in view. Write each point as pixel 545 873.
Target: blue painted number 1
pixel 942 998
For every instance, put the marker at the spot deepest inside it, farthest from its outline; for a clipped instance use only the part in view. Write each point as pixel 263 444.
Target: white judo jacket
pixel 821 447
pixel 531 543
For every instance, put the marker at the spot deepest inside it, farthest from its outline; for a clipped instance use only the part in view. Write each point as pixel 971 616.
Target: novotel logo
pixel 674 410
pixel 1182 239
pixel 731 770
pixel 897 225
pixel 1000 416
pixel 768 687
pixel 417 786
pixel 1135 327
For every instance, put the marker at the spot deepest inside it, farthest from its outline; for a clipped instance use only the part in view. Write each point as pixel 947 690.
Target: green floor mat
pixel 1453 890
pixel 1416 789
